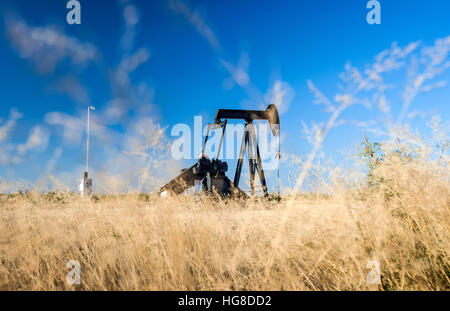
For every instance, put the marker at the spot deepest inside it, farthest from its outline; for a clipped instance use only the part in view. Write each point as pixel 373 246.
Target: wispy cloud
pixel 131 16
pixel 47 46
pixel 7 148
pixel 72 126
pixel 281 93
pixel 133 158
pixel 238 74
pixel 196 20
pixel 71 86
pixel 13 153
pixel 37 139
pixel 127 95
pixel 6 128
pixel 128 65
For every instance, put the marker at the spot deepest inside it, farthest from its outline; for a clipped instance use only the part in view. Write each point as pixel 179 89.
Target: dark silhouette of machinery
pixel 211 173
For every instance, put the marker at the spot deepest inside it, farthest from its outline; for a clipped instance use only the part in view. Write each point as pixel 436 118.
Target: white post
pixel 86 182
pixel 87 147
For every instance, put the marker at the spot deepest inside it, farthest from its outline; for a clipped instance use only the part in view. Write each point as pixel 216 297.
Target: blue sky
pixel 148 65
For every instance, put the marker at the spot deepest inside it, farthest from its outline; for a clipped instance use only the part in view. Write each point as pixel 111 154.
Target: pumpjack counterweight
pixel 211 173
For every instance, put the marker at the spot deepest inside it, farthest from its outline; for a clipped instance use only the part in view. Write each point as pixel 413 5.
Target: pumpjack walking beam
pixel 270 114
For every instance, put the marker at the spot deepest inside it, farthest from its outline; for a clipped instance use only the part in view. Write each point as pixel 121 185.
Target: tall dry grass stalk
pixel 134 242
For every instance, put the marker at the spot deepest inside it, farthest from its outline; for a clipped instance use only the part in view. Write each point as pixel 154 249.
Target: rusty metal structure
pixel 211 173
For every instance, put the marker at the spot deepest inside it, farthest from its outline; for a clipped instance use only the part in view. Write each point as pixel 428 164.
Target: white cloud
pixel 383 104
pixel 12 153
pixel 47 46
pixel 238 74
pixel 281 95
pixel 37 139
pixel 196 20
pixel 73 88
pixel 73 127
pixel 135 158
pixel 126 95
pixel 129 64
pixel 14 115
pixel 131 17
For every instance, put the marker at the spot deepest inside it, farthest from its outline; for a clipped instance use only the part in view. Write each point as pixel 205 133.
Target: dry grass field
pixel 305 242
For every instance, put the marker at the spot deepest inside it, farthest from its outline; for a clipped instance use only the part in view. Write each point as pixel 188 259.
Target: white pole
pixel 87 149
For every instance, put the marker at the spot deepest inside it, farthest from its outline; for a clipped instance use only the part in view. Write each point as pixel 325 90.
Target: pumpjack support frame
pixel 213 172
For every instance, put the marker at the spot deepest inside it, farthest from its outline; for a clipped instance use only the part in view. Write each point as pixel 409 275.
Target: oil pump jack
pixel 211 173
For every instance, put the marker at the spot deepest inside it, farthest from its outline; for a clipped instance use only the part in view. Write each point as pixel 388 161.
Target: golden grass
pixel 133 242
